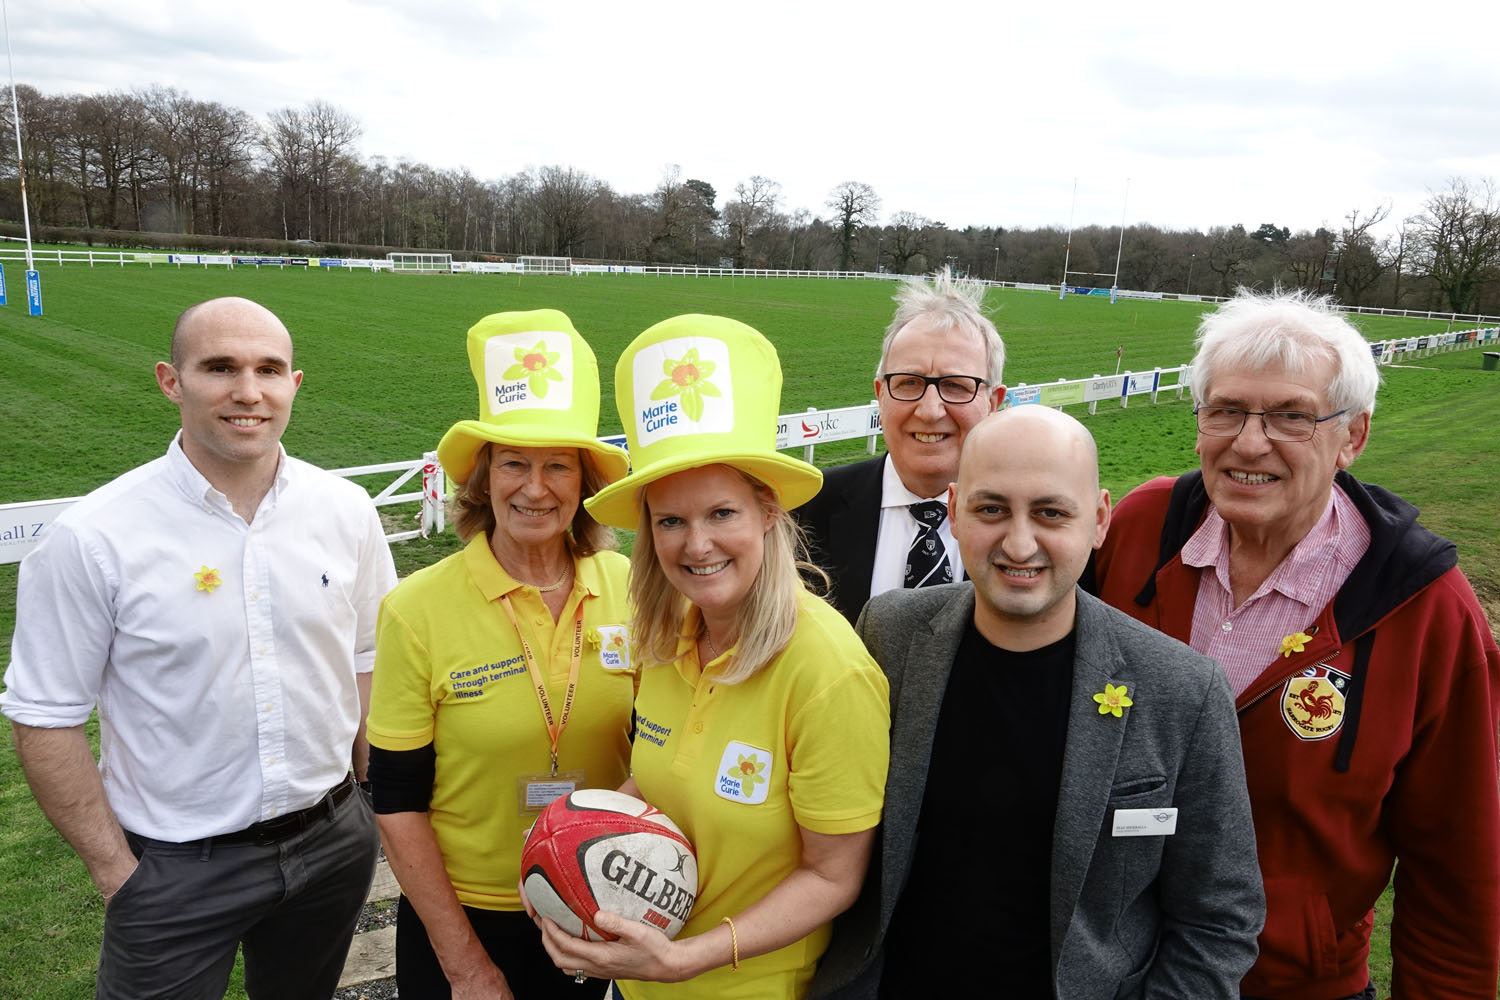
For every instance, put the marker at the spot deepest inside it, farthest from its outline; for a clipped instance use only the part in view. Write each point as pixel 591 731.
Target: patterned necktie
pixel 927 560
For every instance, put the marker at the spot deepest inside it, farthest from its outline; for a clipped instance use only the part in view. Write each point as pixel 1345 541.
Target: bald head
pixel 1044 430
pixel 1027 510
pixel 228 315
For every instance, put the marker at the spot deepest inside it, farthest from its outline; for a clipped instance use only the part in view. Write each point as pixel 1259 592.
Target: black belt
pixel 270 831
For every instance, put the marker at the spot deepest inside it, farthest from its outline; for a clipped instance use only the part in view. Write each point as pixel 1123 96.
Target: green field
pixel 387 374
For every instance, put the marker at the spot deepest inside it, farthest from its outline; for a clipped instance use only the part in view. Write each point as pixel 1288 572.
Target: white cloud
pixel 968 112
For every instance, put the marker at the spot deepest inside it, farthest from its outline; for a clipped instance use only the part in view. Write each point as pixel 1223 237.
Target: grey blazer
pixel 1154 916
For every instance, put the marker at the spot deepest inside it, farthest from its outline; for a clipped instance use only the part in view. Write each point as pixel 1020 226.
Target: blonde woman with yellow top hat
pixel 503 673
pixel 761 720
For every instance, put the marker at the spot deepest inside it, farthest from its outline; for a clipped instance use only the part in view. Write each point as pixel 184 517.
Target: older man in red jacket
pixel 1366 678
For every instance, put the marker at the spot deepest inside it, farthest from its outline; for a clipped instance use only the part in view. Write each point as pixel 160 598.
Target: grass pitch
pixel 387 374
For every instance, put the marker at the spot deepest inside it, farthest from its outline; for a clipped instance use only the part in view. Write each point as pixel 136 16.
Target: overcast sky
pixel 975 112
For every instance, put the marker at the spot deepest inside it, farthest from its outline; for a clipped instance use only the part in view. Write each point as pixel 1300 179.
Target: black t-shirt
pixel 976 903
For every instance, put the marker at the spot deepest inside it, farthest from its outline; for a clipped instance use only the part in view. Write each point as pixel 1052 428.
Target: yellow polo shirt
pixel 803 743
pixel 449 671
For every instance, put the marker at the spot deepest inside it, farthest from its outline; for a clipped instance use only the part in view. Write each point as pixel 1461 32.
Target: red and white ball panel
pixel 600 850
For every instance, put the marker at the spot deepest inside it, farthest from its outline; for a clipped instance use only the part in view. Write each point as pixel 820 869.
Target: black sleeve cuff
pixel 402 780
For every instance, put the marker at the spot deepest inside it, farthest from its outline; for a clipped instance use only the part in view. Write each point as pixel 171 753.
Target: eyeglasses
pixel 1278 425
pixel 910 387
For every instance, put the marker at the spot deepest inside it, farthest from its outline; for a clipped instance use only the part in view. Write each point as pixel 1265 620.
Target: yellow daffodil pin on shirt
pixel 1294 643
pixel 207 579
pixel 1113 700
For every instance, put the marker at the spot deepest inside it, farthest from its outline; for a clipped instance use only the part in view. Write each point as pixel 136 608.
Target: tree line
pixel 157 160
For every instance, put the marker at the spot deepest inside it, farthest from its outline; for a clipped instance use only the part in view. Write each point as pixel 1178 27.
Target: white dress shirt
pixel 220 707
pixel 898 529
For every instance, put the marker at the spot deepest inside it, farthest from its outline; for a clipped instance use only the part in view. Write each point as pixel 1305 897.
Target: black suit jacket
pixel 842 523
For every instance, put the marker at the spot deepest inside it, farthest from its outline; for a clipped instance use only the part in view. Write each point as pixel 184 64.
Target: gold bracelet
pixel 734 940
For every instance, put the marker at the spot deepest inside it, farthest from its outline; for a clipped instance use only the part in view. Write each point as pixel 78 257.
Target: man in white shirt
pixel 881 524
pixel 218 604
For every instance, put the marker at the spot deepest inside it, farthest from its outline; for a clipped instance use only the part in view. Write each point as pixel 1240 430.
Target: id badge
pixel 535 791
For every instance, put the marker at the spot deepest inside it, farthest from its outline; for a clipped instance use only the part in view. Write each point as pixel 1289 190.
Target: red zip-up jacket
pixel 1375 744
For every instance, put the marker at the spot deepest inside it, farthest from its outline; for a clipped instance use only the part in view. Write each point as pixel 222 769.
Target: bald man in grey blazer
pixel 1066 812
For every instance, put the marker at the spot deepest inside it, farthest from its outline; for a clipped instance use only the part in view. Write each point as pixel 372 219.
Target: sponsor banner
pixel 1081 290
pixel 1109 387
pixel 1126 293
pixel 329 261
pixel 23 524
pixel 272 261
pixel 1061 394
pixel 1024 395
pixel 153 258
pixel 1377 349
pixel 199 258
pixel 1422 343
pixel 1139 384
pixel 843 424
pixel 34 293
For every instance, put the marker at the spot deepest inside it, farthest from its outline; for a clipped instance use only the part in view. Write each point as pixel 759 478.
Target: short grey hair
pixel 949 305
pixel 1295 331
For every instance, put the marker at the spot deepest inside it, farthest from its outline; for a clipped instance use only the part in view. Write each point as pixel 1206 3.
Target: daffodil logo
pixel 744 773
pixel 207 579
pixel 533 369
pixel 1113 700
pixel 613 646
pixel 747 771
pixel 687 379
pixel 534 366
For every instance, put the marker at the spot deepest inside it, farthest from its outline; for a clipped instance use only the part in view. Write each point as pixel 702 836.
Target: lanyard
pixel 539 683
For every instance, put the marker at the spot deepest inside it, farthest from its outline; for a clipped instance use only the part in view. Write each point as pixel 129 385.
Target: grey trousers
pixel 173 928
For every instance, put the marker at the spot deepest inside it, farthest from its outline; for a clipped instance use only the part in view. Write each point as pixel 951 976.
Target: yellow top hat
pixel 538 388
pixel 694 391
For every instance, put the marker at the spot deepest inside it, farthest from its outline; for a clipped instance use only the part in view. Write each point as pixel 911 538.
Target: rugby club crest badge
pixel 1312 703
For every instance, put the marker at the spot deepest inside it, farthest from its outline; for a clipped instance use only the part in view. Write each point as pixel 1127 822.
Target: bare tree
pixel 1362 259
pixel 754 206
pixel 1230 252
pixel 909 235
pixel 564 199
pixel 1458 234
pixel 854 205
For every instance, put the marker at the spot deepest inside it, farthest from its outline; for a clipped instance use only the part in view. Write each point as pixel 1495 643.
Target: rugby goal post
pixel 545 265
pixel 422 263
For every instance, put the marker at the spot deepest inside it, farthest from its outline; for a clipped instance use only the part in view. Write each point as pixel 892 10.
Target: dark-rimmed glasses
pixel 910 387
pixel 1278 425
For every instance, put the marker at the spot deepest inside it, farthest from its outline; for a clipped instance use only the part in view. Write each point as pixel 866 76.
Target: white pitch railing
pixel 120 258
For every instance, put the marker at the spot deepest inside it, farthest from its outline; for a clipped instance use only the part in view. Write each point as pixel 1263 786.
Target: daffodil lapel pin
pixel 1113 700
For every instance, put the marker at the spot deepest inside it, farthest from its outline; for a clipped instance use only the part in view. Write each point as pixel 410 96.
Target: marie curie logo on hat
pixel 532 370
pixel 692 392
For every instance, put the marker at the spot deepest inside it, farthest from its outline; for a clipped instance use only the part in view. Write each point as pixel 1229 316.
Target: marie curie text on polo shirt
pixel 744 773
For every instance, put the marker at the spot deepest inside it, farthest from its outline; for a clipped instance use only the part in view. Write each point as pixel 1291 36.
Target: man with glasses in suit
pixel 881 524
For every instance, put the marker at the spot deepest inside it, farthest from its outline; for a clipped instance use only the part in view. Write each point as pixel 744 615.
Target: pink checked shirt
pixel 1247 638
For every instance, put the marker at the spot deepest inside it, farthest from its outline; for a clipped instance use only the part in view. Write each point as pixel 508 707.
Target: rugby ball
pixel 600 850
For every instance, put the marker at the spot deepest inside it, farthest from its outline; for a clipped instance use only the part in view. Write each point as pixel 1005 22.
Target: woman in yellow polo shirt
pixel 502 674
pixel 761 721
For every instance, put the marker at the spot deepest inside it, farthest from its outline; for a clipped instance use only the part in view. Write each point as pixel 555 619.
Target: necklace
pixel 708 636
pixel 560 580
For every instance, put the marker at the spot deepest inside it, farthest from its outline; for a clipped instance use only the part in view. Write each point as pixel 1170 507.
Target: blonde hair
pixel 764 620
pixel 473 512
